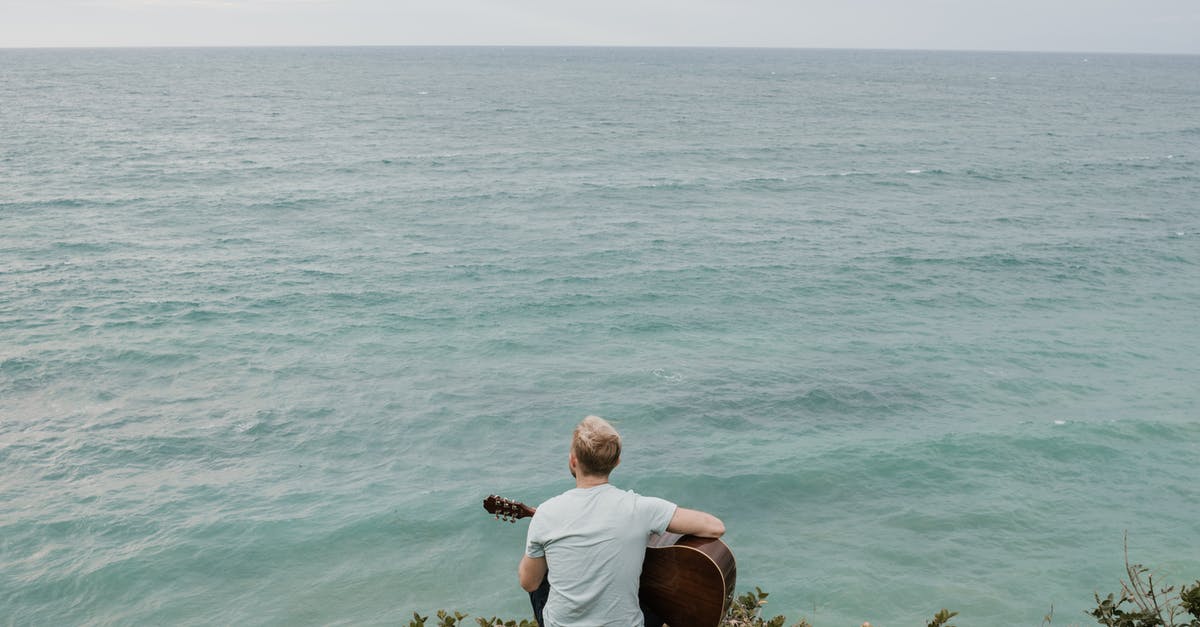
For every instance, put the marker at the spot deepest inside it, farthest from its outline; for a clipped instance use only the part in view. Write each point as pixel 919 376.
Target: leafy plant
pixel 942 619
pixel 496 622
pixel 1189 598
pixel 446 619
pixel 1143 604
pixel 746 611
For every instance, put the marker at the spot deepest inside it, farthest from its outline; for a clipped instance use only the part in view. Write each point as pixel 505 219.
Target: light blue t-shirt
pixel 594 542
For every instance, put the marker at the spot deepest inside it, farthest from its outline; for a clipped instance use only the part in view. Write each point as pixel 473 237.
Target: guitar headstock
pixel 506 509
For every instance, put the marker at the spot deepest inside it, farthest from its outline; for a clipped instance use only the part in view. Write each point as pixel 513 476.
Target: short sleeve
pixel 658 512
pixel 534 546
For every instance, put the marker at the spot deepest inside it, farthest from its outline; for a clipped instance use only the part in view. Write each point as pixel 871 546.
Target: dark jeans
pixel 538 599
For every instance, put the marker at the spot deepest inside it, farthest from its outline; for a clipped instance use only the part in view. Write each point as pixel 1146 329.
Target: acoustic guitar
pixel 687 580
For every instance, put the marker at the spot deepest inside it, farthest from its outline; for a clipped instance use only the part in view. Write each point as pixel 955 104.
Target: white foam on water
pixel 663 374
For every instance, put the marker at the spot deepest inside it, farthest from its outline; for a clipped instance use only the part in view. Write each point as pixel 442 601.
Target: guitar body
pixel 688 581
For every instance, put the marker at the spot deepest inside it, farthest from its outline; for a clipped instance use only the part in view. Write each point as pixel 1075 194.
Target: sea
pixel 922 328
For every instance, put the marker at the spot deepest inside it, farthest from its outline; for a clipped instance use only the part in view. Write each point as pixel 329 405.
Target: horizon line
pixel 587 46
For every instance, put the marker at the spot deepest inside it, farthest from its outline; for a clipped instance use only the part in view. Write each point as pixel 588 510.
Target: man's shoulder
pixel 651 508
pixel 552 502
pixel 635 496
pixel 606 495
pixel 559 501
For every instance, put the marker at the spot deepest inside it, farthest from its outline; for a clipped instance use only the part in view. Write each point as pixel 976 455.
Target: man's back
pixel 594 542
pixel 591 541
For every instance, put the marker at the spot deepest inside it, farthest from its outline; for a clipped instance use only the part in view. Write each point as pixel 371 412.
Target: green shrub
pixel 1143 604
pixel 446 619
pixel 746 611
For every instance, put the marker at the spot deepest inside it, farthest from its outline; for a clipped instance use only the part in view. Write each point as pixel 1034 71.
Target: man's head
pixel 595 447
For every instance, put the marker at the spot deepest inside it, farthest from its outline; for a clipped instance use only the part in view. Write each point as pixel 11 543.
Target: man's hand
pixel 696 523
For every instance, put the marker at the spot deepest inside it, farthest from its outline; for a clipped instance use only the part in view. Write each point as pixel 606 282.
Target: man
pixel 588 543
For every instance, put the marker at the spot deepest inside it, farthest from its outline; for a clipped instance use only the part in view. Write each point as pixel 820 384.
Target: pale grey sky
pixel 1157 26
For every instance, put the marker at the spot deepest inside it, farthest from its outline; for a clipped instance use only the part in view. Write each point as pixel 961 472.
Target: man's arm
pixel 696 523
pixel 531 572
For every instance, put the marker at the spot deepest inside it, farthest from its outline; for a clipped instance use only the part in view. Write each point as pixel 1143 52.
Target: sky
pixel 1147 26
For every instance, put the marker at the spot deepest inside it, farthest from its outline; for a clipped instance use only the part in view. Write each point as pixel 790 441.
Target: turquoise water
pixel 922 328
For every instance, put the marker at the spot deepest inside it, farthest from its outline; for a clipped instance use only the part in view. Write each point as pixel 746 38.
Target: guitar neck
pixel 507 509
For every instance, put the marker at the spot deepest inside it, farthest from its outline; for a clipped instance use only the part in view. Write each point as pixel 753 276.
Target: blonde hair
pixel 597 446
